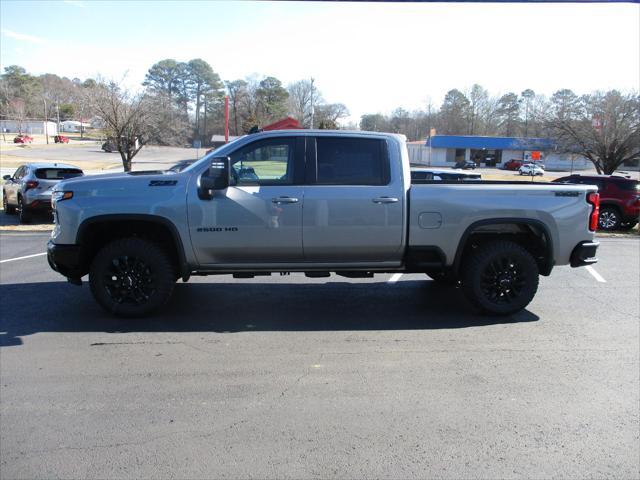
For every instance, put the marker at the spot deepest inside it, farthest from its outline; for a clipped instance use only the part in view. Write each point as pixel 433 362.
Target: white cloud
pixel 22 36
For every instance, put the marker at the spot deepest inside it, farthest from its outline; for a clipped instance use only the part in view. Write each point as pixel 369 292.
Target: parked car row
pixel 29 189
pixel 28 139
pixel 436 174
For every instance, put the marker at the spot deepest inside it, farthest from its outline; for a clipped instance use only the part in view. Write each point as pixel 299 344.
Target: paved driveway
pixel 289 377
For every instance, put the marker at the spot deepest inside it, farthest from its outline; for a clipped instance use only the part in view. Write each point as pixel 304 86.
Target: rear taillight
pixel 593 198
pixel 30 184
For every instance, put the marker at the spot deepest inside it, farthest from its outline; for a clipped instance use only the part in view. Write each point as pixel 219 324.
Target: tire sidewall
pixel 480 262
pixel 153 256
pixel 23 214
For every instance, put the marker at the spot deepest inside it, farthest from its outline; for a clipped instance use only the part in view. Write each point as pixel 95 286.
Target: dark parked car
pixel 427 174
pixel 619 199
pixel 181 165
pixel 466 165
pixel 110 145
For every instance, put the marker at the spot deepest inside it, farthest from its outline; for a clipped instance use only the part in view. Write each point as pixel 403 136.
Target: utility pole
pixel 312 109
pixel 226 119
pixel 46 121
pixel 58 110
pixel 205 120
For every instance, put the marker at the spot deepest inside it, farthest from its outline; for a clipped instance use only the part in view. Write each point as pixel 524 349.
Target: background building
pixel 31 127
pixel 447 150
pixel 74 126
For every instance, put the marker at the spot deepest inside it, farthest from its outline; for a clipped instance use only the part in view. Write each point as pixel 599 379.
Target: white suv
pixel 531 169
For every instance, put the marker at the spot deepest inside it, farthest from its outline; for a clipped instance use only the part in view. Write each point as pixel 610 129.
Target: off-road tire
pixel 609 219
pixel 8 209
pixel 132 277
pixel 500 278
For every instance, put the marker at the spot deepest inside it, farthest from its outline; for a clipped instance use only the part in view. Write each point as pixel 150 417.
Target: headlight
pixel 59 196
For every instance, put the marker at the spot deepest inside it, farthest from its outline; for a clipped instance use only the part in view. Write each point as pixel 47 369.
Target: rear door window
pixel 57 173
pixel 351 161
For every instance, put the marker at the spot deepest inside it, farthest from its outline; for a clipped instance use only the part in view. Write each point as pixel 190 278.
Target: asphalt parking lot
pixel 91 152
pixel 290 377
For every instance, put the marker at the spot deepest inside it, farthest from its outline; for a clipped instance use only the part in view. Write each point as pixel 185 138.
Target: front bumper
pixel 65 259
pixel 584 254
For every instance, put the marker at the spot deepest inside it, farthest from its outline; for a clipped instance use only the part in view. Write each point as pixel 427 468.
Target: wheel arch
pixel 534 235
pixel 95 232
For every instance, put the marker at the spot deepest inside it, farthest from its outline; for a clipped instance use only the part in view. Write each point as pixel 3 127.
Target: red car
pixel 61 139
pixel 23 139
pixel 619 199
pixel 513 164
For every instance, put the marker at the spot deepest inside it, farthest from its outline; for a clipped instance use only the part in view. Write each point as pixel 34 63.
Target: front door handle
pixel 280 200
pixel 385 200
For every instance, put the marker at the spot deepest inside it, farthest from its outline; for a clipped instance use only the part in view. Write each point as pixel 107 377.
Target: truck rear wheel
pixel 500 278
pixel 131 277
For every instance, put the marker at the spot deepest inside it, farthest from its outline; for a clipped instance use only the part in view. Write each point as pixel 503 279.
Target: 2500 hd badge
pixel 216 229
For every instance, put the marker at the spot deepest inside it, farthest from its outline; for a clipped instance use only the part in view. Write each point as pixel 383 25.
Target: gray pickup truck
pixel 315 202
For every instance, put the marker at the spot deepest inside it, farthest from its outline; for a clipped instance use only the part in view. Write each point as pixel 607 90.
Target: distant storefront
pixel 447 150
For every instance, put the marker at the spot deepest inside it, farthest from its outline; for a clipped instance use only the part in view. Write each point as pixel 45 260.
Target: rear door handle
pixel 279 200
pixel 385 200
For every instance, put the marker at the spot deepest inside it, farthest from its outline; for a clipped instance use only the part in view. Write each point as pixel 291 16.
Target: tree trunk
pixel 126 161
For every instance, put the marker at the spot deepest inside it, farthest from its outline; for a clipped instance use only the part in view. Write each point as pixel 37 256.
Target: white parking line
pixel 22 258
pixel 394 278
pixel 595 274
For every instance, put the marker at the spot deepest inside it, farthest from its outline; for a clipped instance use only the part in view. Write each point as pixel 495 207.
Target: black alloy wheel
pixel 132 277
pixel 500 278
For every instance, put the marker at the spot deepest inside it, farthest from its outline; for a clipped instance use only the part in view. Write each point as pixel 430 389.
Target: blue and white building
pixel 447 150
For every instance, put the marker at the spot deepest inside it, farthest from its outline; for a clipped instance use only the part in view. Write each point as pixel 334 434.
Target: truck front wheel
pixel 500 278
pixel 131 277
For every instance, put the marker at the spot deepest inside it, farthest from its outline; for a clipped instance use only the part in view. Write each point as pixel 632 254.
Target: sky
pixel 373 57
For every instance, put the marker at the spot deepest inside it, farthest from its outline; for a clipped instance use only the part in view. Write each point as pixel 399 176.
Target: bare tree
pixel 301 93
pixel 129 117
pixel 603 127
pixel 237 92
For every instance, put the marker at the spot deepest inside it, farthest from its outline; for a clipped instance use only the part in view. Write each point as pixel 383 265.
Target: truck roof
pixel 307 132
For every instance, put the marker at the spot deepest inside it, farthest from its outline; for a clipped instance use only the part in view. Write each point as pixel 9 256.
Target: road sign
pixel 535 155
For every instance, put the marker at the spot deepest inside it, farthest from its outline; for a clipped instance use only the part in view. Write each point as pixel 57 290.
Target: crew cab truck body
pixel 315 202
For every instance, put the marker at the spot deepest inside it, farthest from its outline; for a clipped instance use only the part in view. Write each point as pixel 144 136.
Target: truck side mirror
pixel 216 178
pixel 6 177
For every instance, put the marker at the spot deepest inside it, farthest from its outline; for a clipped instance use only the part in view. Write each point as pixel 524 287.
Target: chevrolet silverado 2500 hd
pixel 315 202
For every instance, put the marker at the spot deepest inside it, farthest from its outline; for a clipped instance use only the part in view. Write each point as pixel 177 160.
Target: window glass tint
pixel 627 186
pixel 57 173
pixel 351 161
pixel 19 173
pixel 264 163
